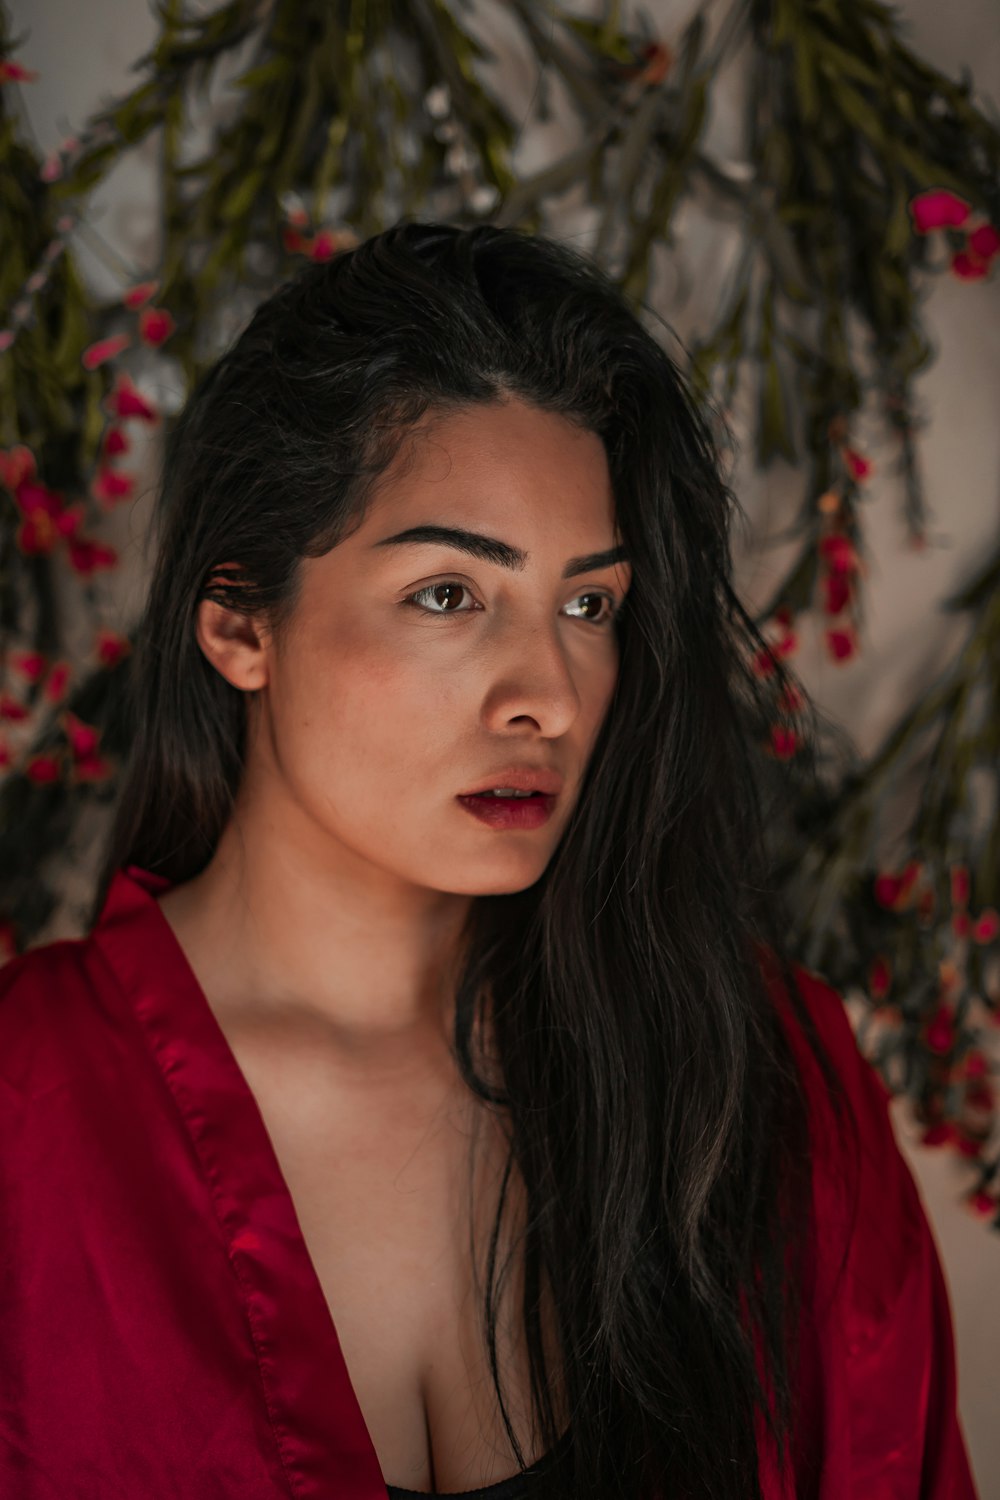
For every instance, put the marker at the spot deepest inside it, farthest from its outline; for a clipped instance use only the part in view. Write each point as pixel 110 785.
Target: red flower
pixel 940 1030
pixel 30 664
pixel 892 890
pixel 17 465
pixel 960 924
pixel 57 682
pixel 763 664
pixel 982 1204
pixel 82 737
pixel 155 326
pixel 87 556
pixel 938 1134
pixel 879 978
pixel 115 441
pixel 967 267
pixel 959 885
pixel 5 757
pixel 43 769
pixel 13 72
pixel 92 768
pixel 857 466
pixel 986 926
pixel 111 648
pixel 293 241
pixel 12 709
pixel 841 644
pixel 938 209
pixel 784 741
pixel 140 293
pixel 984 242
pixel 838 592
pixel 324 245
pixel 125 400
pixel 838 553
pixel 111 485
pixel 104 349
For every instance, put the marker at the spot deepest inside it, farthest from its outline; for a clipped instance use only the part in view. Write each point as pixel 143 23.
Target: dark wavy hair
pixel 648 1093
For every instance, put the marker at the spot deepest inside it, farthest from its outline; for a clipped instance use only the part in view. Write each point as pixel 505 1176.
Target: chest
pixel 380 1181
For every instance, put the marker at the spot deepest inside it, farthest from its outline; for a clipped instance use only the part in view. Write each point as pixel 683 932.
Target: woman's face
pixel 414 671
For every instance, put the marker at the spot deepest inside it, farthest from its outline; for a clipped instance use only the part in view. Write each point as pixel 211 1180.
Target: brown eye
pixel 442 594
pixel 595 617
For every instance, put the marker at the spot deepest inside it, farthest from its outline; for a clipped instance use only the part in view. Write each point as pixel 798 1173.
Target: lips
pixel 520 779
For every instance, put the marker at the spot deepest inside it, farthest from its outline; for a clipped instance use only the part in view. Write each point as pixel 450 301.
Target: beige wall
pixel 84 52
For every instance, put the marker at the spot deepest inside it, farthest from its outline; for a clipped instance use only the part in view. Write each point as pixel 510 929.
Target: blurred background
pixel 804 200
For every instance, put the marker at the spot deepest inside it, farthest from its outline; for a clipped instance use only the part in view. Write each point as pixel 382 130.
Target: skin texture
pixel 323 931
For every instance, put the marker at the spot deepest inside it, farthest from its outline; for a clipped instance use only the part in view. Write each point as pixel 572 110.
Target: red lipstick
pixel 510 812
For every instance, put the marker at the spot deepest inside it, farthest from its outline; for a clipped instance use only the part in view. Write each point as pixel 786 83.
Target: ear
pixel 235 644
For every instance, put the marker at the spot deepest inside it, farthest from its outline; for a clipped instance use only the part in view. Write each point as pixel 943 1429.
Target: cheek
pixel 359 714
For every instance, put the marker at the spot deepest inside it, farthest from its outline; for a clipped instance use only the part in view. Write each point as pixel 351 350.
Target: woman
pixel 394 1130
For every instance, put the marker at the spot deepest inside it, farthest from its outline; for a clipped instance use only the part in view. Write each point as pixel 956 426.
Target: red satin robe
pixel 164 1332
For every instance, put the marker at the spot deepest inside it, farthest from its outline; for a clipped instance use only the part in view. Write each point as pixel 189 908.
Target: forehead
pixel 505 457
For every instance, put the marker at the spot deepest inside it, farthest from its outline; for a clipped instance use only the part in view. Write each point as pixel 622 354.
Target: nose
pixel 532 676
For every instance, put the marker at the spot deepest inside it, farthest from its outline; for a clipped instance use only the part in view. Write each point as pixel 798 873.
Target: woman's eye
pixel 442 598
pixel 436 591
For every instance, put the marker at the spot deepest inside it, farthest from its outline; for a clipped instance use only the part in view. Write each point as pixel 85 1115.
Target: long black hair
pixel 650 1098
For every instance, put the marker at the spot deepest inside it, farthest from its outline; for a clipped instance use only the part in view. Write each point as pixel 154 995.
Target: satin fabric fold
pixel 164 1332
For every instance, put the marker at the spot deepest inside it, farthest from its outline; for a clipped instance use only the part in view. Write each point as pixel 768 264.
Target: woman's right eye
pixel 437 590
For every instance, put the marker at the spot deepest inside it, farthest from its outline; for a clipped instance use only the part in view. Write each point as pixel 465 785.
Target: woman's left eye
pixel 435 589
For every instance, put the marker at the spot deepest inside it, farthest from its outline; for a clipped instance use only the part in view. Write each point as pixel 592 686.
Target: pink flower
pixel 13 72
pixel 103 350
pixel 57 682
pixel 324 245
pixel 938 209
pixel 155 326
pixel 110 648
pixel 30 664
pixel 986 926
pixel 784 741
pixel 140 293
pixel 82 737
pixel 87 556
pixel 111 485
pixel 858 467
pixel 126 400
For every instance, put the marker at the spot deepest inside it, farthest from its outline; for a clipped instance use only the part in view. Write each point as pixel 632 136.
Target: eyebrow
pixel 489 549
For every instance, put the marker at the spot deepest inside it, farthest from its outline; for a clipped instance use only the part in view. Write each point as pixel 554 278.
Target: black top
pixel 517 1487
